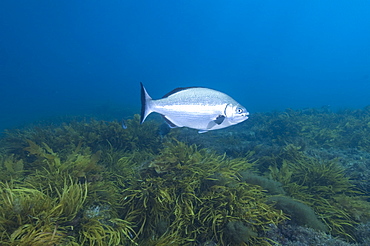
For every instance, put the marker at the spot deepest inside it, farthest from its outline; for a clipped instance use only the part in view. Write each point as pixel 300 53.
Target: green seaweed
pixel 11 167
pixel 179 193
pixel 271 186
pixel 95 183
pixel 32 217
pixel 96 135
pixel 48 167
pixel 238 232
pixel 320 184
pixel 300 213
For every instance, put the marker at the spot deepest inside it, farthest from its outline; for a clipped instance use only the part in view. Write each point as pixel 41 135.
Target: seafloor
pixel 298 177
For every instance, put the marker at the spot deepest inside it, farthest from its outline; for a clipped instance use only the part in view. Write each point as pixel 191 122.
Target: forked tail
pixel 145 104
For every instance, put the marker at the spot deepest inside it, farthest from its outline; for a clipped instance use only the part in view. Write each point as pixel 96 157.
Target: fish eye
pixel 239 110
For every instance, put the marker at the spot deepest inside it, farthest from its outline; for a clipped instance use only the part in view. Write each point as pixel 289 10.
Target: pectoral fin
pixel 219 119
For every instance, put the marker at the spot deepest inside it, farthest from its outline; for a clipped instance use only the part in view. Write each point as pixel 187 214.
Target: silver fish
pixel 194 107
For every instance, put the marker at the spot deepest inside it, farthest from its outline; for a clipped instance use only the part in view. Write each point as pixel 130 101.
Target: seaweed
pixel 271 186
pixel 300 213
pixel 48 167
pixel 238 232
pixel 96 135
pixel 11 167
pixel 95 183
pixel 323 186
pixel 174 200
pixel 31 217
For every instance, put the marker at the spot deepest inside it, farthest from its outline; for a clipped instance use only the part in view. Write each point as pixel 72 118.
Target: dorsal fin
pixel 179 89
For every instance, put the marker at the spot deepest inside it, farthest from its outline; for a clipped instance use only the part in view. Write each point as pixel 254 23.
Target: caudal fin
pixel 145 104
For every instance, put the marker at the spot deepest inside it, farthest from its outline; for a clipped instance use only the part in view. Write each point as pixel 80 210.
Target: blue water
pixel 87 57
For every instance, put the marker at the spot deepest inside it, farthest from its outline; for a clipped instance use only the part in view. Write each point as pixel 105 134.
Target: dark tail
pixel 145 99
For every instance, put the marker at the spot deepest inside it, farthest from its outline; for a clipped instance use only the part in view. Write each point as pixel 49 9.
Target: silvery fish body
pixel 194 107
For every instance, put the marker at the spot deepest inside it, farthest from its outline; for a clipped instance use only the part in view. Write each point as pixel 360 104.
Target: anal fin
pixel 169 123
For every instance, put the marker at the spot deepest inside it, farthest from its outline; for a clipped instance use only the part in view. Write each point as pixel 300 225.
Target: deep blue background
pixel 84 57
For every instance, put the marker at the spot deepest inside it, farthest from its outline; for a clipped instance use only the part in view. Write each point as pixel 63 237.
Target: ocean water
pixel 297 66
pixel 63 58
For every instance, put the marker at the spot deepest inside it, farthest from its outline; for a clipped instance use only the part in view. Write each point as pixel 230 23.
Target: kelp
pixel 95 232
pixel 323 186
pixel 186 195
pixel 96 135
pixel 95 183
pixel 11 167
pixel 54 204
pixel 48 167
pixel 32 217
pixel 319 129
pixel 182 195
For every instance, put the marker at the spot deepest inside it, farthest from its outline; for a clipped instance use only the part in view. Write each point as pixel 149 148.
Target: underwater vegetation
pixel 308 129
pixel 324 187
pixel 319 128
pixel 79 194
pixel 279 179
pixel 187 196
pixel 97 135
